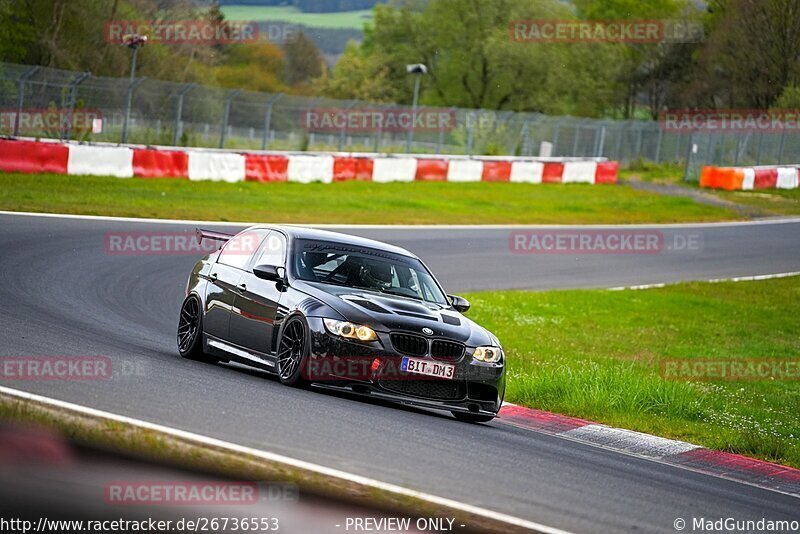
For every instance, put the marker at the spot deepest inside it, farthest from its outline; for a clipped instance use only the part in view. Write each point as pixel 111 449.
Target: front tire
pixel 190 331
pixel 293 351
pixel 471 417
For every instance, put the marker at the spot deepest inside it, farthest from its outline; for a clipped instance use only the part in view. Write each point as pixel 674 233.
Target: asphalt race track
pixel 63 294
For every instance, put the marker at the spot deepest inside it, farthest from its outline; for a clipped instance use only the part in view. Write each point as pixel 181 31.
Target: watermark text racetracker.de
pixel 189 31
pixel 184 524
pixel 606 31
pixel 70 368
pixel 730 120
pixel 732 369
pixel 196 493
pixel 564 241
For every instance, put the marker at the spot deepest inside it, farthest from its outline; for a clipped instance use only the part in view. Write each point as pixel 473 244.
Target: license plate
pixel 429 368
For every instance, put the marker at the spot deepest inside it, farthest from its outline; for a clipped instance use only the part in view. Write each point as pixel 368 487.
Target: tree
pixel 646 70
pixel 473 61
pixel 752 53
pixel 304 61
pixel 257 67
pixel 789 98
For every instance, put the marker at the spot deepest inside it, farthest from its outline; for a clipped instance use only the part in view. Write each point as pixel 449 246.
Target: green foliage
pixel 789 98
pixel 71 35
pixel 751 54
pixel 304 61
pixel 474 62
pixel 597 354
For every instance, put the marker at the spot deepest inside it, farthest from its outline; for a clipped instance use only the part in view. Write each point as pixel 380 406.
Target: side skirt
pixel 239 354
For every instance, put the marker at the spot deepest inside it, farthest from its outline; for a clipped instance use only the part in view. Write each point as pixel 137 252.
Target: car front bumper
pixel 373 369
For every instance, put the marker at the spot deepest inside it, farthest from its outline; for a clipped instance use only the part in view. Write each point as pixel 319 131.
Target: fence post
pixel 556 135
pixel 658 143
pixel 344 126
pixel 470 125
pixel 225 114
pixel 379 132
pixel 618 147
pixel 601 143
pixel 687 167
pixel 575 141
pixel 73 97
pixel 21 95
pixel 268 119
pixel 524 139
pixel 639 133
pixel 736 149
pixel 758 147
pixel 179 113
pixel 782 146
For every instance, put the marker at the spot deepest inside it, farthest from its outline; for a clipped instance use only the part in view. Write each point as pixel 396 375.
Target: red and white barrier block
pixel 230 166
pixel 749 178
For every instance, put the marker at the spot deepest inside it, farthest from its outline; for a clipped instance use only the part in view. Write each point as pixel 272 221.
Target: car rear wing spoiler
pixel 209 234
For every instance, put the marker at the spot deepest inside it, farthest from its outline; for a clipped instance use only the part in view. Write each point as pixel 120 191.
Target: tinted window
pixel 361 267
pixel 273 252
pixel 238 250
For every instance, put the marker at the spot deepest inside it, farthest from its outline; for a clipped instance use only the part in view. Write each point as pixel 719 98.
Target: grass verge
pixel 597 355
pixel 274 14
pixel 349 202
pixel 764 202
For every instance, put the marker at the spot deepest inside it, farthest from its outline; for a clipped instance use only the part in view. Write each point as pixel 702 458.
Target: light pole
pixel 134 42
pixel 417 69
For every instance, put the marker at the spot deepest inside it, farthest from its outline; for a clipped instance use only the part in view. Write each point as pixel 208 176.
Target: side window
pixel 274 250
pixel 238 250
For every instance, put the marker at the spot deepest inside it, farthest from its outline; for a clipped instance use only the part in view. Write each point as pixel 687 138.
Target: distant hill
pixel 330 31
pixel 308 6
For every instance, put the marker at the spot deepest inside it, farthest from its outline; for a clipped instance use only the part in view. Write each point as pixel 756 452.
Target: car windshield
pixel 365 268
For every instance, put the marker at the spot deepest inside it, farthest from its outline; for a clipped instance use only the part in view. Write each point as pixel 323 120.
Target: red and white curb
pixel 131 161
pixel 726 465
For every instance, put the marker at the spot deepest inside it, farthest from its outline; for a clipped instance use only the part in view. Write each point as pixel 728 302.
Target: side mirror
pixel 270 272
pixel 460 304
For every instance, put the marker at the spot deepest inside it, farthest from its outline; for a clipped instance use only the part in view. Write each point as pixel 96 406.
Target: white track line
pixel 760 222
pixel 278 458
pixel 749 278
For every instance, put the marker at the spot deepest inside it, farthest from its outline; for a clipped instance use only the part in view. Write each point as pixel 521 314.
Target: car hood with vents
pixel 389 313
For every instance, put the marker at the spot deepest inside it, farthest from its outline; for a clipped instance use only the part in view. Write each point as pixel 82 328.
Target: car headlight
pixel 350 330
pixel 487 354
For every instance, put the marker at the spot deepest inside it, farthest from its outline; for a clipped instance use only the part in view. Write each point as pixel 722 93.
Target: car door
pixel 225 277
pixel 257 300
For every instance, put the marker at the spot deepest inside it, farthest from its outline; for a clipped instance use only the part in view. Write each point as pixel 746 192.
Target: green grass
pixel 646 171
pixel 767 201
pixel 348 202
pixel 595 354
pixel 292 15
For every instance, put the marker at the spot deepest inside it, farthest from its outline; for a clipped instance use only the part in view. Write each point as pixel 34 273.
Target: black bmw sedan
pixel 340 312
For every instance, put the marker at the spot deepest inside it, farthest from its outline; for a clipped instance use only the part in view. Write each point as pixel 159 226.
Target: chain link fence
pixel 167 113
